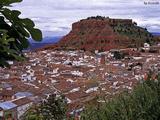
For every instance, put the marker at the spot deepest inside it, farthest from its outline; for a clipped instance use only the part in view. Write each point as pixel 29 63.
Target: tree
pixel 33 114
pixel 118 55
pixel 53 108
pixel 14 33
pixel 142 103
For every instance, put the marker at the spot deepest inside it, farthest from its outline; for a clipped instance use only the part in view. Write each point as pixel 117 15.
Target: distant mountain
pixel 156 34
pixel 45 42
pixel 54 39
pixel 156 37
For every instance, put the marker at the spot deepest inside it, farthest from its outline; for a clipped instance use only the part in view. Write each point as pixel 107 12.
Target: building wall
pixel 22 109
pixel 1 113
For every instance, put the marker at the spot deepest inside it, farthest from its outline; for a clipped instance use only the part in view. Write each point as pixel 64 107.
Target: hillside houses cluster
pixel 80 76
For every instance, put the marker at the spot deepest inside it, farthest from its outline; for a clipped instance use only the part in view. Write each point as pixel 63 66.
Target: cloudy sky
pixel 55 17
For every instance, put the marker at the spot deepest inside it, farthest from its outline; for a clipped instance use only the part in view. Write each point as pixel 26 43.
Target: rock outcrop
pixel 100 33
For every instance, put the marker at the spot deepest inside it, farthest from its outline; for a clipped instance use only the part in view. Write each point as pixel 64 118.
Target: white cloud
pixel 57 15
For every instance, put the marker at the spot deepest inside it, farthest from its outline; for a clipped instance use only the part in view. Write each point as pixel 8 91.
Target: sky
pixel 55 17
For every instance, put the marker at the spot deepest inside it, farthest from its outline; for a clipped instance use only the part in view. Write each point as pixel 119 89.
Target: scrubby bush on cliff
pixel 14 33
pixel 142 104
pixel 96 17
pixel 138 34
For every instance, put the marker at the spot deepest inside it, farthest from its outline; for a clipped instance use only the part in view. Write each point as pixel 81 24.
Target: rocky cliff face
pixel 99 33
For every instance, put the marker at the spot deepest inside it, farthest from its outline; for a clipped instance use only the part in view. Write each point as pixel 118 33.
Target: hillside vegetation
pixel 142 104
pixel 136 34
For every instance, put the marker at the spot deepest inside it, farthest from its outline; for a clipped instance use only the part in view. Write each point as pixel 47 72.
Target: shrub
pixel 143 103
pixel 53 108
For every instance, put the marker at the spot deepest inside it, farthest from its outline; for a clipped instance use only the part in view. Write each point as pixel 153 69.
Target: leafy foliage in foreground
pixel 14 33
pixel 142 104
